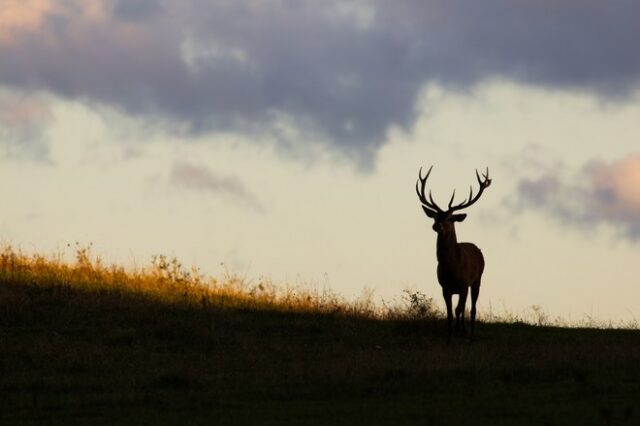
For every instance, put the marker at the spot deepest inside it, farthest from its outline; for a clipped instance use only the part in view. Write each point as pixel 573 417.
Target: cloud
pixel 198 177
pixel 20 15
pixel 23 118
pixel 601 193
pixel 339 72
pixel 136 10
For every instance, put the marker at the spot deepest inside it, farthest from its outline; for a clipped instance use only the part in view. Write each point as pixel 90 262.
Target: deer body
pixel 460 265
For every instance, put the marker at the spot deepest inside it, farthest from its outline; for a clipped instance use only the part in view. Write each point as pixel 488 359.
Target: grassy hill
pixel 84 343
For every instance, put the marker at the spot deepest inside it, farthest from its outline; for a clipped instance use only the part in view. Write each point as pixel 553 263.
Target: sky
pixel 281 140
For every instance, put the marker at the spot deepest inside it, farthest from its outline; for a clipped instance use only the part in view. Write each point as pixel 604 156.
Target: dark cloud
pixel 339 71
pixel 136 10
pixel 601 193
pixel 198 177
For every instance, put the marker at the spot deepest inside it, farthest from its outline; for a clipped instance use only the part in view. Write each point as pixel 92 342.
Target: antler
pixel 431 205
pixel 472 199
pixel 420 188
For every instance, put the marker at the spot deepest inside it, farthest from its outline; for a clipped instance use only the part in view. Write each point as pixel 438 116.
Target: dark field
pixel 71 354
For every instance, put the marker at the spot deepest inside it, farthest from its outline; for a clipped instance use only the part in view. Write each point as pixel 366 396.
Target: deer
pixel 460 265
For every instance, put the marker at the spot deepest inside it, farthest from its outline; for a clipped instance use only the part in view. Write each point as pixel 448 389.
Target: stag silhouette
pixel 460 265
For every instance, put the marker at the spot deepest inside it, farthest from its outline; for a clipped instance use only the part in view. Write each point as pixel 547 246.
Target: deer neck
pixel 447 247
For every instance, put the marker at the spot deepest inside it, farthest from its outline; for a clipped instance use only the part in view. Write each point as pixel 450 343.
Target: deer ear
pixel 458 217
pixel 429 213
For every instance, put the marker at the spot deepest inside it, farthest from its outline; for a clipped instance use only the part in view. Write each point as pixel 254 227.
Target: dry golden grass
pixel 167 281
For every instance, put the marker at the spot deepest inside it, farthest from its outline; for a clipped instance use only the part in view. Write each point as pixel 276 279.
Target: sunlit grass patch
pixel 168 281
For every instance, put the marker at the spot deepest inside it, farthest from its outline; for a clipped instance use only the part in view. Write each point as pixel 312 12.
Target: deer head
pixel 444 220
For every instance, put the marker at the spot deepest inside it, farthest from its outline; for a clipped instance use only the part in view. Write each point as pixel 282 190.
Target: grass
pixel 83 343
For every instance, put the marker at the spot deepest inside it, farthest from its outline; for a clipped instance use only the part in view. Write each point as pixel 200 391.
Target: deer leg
pixel 475 292
pixel 447 301
pixel 462 301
